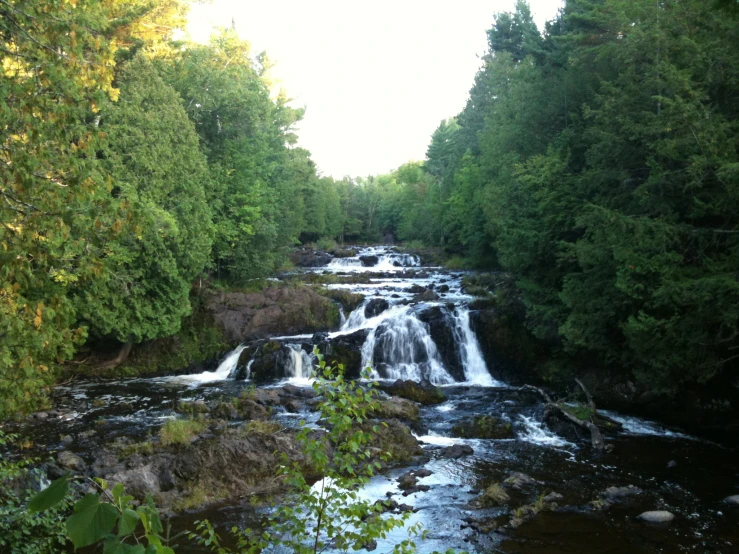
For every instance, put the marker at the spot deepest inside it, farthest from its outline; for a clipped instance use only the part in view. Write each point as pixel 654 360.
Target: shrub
pixel 180 431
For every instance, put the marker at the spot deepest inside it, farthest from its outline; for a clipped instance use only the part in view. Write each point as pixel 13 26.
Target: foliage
pixel 21 531
pixel 110 517
pixel 330 512
pixel 180 431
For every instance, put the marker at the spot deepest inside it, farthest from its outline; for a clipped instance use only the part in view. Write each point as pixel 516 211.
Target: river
pixel 667 469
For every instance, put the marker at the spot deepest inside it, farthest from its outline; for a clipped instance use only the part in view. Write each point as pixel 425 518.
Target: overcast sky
pixel 375 77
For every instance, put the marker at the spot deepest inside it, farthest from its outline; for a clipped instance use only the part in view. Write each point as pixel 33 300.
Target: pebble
pixel 657 516
pixel 732 500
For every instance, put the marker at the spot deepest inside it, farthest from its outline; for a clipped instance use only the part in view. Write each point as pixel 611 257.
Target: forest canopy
pixel 595 162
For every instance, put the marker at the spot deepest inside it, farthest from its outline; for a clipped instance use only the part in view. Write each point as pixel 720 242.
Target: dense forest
pixel 595 161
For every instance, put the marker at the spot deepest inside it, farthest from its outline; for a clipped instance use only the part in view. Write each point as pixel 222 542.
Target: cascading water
pixel 401 348
pixel 299 363
pixel 475 369
pixel 224 369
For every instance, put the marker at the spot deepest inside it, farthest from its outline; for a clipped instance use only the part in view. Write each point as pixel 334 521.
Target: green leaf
pixel 129 521
pixel 92 520
pixel 113 545
pixel 50 496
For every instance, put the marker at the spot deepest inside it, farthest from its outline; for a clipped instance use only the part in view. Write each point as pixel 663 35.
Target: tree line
pixel 597 161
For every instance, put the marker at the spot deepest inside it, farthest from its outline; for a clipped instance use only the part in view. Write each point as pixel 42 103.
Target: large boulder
pixel 423 393
pixel 305 257
pixel 394 439
pixel 657 516
pixel 347 350
pixel 270 361
pixel 274 311
pixel 369 261
pixel 375 307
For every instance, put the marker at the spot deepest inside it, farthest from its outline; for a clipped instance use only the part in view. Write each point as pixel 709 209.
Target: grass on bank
pixel 180 431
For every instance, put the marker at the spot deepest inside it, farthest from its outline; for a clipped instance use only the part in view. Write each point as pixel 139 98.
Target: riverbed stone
pixel 396 408
pixel 369 261
pixel 138 481
pixel 456 451
pixel 657 516
pixel 69 460
pixel 732 500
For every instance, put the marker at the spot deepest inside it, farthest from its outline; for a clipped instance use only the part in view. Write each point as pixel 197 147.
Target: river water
pixel 674 471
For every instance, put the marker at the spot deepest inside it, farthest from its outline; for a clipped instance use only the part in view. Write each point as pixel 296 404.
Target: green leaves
pixel 92 521
pixel 50 496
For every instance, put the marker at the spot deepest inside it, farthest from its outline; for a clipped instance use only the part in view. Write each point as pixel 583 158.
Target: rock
pixel 395 439
pixel 407 480
pixel 347 350
pixel 249 409
pixel 225 410
pixel 309 258
pixel 416 488
pixel 732 500
pixel 396 408
pixel 618 494
pixel 375 307
pixel 441 327
pixel 421 473
pixel 344 253
pixel 369 261
pixel 456 451
pixel 442 288
pixel 281 310
pixel 494 495
pixel 415 289
pixel 520 481
pixel 423 393
pixel 166 480
pixel 671 464
pixel 67 459
pixel 371 545
pixel 552 497
pixel 138 482
pixel 483 427
pixel 67 440
pixel 426 296
pixel 40 415
pixel 657 516
pixel 300 392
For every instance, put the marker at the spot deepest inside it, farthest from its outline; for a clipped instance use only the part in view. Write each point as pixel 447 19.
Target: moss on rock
pixel 483 427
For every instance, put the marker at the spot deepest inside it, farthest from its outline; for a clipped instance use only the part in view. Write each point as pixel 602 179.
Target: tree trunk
pixel 121 357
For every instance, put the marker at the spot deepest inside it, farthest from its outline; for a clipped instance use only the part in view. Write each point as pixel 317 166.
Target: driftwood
pixel 596 437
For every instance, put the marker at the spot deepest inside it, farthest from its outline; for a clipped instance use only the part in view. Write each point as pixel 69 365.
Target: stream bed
pixel 598 494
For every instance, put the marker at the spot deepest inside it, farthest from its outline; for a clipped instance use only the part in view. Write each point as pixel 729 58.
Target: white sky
pixel 376 77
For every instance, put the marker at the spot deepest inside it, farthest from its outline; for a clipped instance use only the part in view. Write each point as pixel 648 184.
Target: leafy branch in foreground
pixel 329 514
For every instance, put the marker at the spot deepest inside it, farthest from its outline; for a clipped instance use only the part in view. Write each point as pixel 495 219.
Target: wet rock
pixel 483 427
pixel 671 464
pixel 656 516
pixel 494 495
pixel 441 327
pixel 344 253
pixel 67 440
pixel 300 392
pixel 456 451
pixel 405 508
pixel 369 261
pixel 407 480
pixel 732 500
pixel 520 481
pixel 426 296
pixel 348 300
pixel 385 506
pixel 375 307
pixel 415 289
pixel 40 415
pixel 617 494
pixel 442 288
pixel 423 393
pixel 305 257
pixel 347 351
pixel 252 410
pixel 416 488
pixel 421 473
pixel 69 460
pixel 552 497
pixel 269 361
pixel 369 546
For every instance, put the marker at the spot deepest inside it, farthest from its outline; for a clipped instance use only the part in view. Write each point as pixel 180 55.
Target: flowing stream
pixel 431 338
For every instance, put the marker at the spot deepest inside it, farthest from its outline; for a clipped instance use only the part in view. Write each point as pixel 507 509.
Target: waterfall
pixel 342 317
pixel 299 363
pixel 224 369
pixel 475 369
pixel 401 348
pixel 345 262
